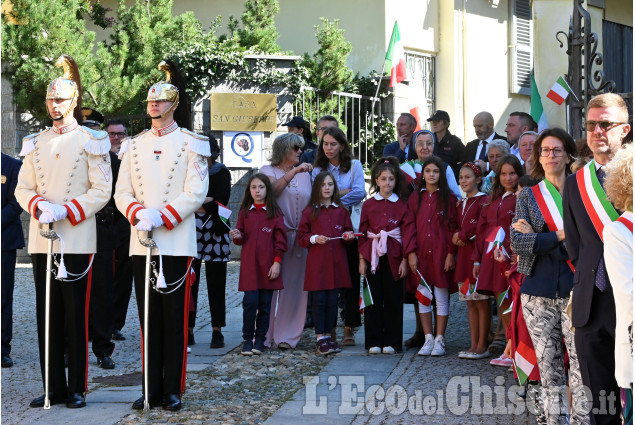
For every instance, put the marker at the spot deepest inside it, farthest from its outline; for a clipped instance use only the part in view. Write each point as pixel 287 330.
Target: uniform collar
pixel 393 197
pixel 165 130
pixel 66 129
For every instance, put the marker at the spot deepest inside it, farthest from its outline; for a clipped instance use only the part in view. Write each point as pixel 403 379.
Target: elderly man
pixel 585 213
pixel 406 125
pixel 323 123
pixel 449 147
pixel 476 150
pixel 525 148
pixel 517 124
pixel 65 179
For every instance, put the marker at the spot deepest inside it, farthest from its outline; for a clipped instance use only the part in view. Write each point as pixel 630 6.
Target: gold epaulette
pixel 195 135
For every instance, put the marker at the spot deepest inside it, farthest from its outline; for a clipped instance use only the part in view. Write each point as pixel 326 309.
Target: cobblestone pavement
pixel 225 387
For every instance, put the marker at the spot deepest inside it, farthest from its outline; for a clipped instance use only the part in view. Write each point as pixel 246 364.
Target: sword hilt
pixel 46 231
pixel 147 241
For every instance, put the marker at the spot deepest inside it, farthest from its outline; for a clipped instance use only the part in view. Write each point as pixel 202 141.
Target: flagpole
pixel 381 76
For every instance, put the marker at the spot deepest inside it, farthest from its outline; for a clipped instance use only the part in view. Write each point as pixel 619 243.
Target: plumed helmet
pixel 68 86
pixel 164 91
pixel 172 90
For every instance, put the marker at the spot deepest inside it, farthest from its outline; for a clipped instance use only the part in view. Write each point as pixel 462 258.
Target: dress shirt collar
pixel 393 197
pixel 165 130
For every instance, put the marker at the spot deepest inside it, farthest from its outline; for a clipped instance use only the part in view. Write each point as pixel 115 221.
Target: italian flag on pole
pixel 366 299
pixel 560 91
pixel 524 361
pixel 536 110
pixel 395 58
pixel 223 212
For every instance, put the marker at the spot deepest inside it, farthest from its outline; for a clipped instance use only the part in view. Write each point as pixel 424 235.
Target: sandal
pixel 349 337
pixel 497 346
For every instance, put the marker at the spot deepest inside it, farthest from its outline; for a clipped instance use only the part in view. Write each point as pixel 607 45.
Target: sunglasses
pixel 604 125
pixel 297 148
pixel 119 135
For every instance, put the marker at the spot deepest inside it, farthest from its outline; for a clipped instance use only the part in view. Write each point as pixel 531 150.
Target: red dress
pixel 467 211
pixel 434 240
pixel 326 265
pixel 382 214
pixel 263 239
pixel 499 212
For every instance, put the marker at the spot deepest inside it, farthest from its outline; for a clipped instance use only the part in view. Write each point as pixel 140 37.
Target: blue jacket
pixel 12 235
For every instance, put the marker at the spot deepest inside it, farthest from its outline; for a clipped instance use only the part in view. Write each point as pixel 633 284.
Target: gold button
pixel 169 177
pixel 69 183
pixel 167 191
pixel 37 160
pixel 138 177
pixel 141 193
pixel 65 199
pixel 41 176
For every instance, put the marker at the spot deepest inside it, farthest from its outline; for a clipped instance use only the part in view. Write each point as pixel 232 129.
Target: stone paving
pixel 224 387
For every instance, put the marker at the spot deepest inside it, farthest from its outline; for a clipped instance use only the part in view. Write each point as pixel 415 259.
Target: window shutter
pixel 521 46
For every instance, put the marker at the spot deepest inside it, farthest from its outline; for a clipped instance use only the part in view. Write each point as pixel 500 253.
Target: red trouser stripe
pixel 186 315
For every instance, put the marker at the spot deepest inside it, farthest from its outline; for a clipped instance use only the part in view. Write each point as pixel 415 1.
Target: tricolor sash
pixel 549 202
pixel 600 210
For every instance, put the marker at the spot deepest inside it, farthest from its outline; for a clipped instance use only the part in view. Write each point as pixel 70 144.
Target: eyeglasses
pixel 604 125
pixel 297 148
pixel 118 135
pixel 546 152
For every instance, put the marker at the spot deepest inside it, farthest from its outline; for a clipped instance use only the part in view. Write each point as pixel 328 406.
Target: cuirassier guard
pixel 64 181
pixel 162 181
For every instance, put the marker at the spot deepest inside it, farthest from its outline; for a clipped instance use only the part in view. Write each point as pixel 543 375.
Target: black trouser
pixel 256 312
pixel 351 315
pixel 216 277
pixel 324 310
pixel 8 282
pixel 69 311
pixel 100 320
pixel 123 284
pixel 595 344
pixel 167 336
pixel 383 321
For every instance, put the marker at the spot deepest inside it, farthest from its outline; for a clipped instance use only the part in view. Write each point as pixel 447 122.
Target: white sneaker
pixel 374 350
pixel 439 346
pixel 426 350
pixel 388 350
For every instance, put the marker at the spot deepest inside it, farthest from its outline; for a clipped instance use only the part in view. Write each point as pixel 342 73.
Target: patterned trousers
pixel 548 324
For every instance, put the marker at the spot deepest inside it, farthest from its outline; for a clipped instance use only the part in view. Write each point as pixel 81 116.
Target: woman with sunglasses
pixel 537 237
pixel 291 184
pixel 334 155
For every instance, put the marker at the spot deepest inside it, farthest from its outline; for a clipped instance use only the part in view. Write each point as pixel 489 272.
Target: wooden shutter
pixel 521 46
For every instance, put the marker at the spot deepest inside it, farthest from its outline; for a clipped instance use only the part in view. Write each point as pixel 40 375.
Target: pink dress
pixel 288 306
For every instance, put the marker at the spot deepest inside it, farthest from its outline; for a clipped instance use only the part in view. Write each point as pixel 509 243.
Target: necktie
pixel 600 275
pixel 483 154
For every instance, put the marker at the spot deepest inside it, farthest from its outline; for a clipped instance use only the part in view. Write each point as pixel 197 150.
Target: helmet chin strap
pixel 70 110
pixel 172 108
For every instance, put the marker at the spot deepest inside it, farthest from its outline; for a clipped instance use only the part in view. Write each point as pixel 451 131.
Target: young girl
pixel 324 227
pixel 468 211
pixel 386 243
pixel 499 212
pixel 260 230
pixel 434 224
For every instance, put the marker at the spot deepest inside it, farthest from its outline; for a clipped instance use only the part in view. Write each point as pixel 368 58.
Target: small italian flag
pixel 467 288
pixel 411 170
pixel 366 300
pixel 224 213
pixel 396 58
pixel 495 239
pixel 509 310
pixel 502 297
pixel 424 293
pixel 560 91
pixel 524 361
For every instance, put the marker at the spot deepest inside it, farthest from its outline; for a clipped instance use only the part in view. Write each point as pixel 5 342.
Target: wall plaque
pixel 243 112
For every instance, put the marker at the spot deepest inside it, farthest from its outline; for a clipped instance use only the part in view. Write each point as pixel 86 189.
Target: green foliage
pixel 45 32
pixel 328 69
pixel 259 31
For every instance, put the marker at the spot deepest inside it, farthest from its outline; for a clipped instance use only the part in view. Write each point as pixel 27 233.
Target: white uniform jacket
pixel 69 166
pixel 164 169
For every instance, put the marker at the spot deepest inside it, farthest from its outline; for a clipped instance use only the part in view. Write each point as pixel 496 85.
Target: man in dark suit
pixel 593 303
pixel 12 240
pixel 476 150
pixel 406 125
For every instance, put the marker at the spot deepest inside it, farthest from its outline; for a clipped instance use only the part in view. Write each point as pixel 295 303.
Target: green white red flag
pixel 424 293
pixel 494 240
pixel 366 299
pixel 223 212
pixel 396 58
pixel 536 110
pixel 524 361
pixel 560 91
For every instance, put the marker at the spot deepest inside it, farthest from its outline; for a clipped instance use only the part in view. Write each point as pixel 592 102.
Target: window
pixel 521 46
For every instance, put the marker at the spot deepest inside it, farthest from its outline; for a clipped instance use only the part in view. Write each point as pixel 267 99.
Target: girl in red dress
pixel 261 232
pixel 434 224
pixel 468 211
pixel 499 212
pixel 324 227
pixel 386 242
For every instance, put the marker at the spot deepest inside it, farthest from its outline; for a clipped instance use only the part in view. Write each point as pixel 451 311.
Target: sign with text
pixel 243 112
pixel 242 149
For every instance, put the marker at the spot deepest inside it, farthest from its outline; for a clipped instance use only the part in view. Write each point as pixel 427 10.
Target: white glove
pixel 143 225
pixel 46 218
pixel 151 215
pixel 57 211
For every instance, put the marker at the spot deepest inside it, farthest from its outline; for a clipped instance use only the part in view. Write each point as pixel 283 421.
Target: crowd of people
pixel 506 222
